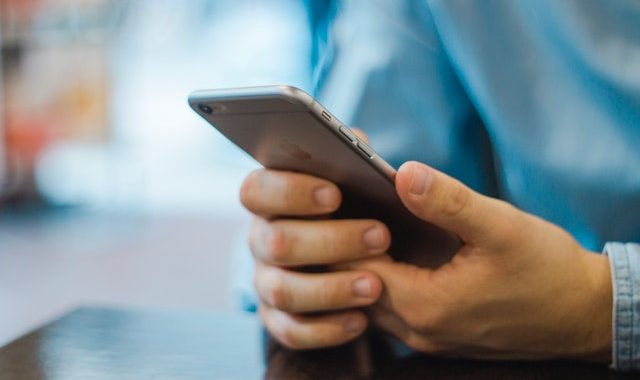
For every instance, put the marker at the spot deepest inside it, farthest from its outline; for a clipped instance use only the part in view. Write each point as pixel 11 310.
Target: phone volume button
pixel 347 133
pixel 364 148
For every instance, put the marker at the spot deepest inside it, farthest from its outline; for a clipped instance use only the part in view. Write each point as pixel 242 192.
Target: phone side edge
pixel 290 93
pixel 376 161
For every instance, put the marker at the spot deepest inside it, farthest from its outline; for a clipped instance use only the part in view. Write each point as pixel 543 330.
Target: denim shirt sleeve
pixel 625 274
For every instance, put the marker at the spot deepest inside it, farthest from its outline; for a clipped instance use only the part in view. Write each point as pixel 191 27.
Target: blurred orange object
pixel 54 89
pixel 20 5
pixel 26 136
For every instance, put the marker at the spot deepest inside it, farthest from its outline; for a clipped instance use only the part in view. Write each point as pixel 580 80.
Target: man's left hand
pixel 519 288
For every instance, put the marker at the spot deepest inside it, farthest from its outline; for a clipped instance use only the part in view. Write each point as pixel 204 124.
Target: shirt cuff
pixel 625 274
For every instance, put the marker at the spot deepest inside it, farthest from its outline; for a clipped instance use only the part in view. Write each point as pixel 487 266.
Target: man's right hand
pixel 292 231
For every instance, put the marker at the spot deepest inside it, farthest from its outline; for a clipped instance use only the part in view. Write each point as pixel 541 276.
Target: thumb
pixel 404 283
pixel 439 199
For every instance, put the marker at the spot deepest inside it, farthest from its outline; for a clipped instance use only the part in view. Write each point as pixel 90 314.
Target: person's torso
pixel 537 102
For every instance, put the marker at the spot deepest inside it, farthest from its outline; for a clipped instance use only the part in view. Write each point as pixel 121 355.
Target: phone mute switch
pixel 366 149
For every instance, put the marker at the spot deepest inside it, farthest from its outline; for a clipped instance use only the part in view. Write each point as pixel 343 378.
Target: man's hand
pixel 520 287
pixel 299 308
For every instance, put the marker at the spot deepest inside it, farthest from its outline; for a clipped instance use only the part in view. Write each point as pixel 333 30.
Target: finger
pixel 397 327
pixel 305 331
pixel 410 307
pixel 445 202
pixel 298 292
pixel 305 242
pixel 271 192
pixel 406 288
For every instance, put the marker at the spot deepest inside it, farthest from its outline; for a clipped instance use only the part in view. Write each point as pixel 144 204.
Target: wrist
pixel 598 309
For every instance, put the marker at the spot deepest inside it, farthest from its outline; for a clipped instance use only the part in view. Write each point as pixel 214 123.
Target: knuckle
pixel 289 192
pixel 344 242
pixel 457 201
pixel 329 295
pixel 277 293
pixel 330 241
pixel 276 244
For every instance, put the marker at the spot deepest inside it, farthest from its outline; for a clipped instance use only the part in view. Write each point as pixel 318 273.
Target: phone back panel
pixel 285 129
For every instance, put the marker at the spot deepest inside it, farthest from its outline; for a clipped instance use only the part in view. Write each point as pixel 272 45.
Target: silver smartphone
pixel 284 128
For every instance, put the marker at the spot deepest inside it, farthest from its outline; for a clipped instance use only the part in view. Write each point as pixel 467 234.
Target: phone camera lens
pixel 205 108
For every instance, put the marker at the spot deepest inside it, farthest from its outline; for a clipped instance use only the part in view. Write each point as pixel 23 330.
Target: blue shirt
pixel 533 101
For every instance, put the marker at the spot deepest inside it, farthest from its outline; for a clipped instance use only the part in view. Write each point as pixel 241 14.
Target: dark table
pixel 101 343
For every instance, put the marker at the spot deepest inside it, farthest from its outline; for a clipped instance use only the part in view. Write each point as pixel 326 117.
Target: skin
pixel 518 288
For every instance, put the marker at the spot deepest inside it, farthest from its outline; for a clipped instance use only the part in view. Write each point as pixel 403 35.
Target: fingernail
pixel 325 197
pixel 420 180
pixel 373 238
pixel 353 325
pixel 362 287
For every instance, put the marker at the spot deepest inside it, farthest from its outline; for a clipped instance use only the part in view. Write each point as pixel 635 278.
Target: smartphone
pixel 284 128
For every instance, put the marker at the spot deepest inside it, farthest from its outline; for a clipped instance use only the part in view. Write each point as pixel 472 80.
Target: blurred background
pixel 112 191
